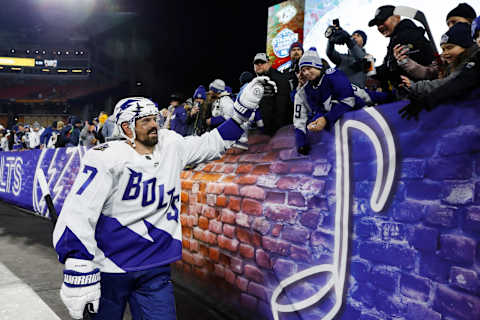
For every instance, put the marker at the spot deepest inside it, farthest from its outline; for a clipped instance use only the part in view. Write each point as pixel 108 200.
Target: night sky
pixel 191 42
pixel 198 41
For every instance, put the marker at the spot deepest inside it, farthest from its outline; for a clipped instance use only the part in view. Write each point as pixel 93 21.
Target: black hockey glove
pixel 269 88
pixel 305 150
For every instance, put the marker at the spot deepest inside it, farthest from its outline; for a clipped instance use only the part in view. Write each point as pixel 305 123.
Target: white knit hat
pixel 311 59
pixel 217 86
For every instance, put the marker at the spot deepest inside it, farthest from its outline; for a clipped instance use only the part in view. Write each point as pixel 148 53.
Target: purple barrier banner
pixel 19 183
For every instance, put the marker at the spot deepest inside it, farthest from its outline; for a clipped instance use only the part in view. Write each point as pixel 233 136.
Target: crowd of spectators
pixel 74 132
pixel 310 94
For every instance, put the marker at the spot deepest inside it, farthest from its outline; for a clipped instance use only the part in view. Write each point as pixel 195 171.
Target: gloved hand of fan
pixel 81 286
pixel 340 37
pixel 248 100
pixel 411 110
pixel 305 150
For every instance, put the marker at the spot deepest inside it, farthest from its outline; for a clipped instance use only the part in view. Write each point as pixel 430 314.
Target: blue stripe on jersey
pixel 216 121
pixel 69 246
pixel 132 252
pixel 230 130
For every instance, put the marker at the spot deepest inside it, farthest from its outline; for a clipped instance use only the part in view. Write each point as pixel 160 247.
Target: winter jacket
pixel 352 64
pixel 46 134
pixel 88 138
pixel 465 81
pixel 417 71
pixel 34 138
pixel 330 96
pixel 421 51
pixel 291 74
pixel 108 126
pixel 425 87
pixel 178 121
pixel 276 110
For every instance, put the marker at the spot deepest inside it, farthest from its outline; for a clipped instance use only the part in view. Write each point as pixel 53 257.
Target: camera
pixel 331 30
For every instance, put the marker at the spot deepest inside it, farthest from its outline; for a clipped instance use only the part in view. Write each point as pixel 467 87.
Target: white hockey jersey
pixel 123 211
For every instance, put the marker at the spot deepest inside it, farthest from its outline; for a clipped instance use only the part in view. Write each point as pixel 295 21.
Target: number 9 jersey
pixel 123 211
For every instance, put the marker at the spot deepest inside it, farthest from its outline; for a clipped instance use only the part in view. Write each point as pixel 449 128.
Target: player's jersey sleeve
pixel 74 234
pixel 343 98
pixel 210 145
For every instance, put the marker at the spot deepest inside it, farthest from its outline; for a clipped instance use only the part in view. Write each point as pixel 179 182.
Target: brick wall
pixel 256 217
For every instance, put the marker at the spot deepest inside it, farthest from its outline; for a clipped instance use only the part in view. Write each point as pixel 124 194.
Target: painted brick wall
pixel 256 217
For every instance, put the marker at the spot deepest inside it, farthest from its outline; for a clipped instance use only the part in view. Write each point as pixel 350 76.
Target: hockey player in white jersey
pixel 119 228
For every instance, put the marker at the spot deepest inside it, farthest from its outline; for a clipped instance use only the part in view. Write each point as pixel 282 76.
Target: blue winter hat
pixel 310 59
pixel 200 93
pixel 459 34
pixel 363 35
pixel 246 77
pixel 296 44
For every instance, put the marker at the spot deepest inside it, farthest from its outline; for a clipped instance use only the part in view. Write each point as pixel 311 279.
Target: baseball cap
pixel 382 14
pixel 260 57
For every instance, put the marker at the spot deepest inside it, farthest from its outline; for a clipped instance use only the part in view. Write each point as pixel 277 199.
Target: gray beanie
pixel 311 59
pixel 217 86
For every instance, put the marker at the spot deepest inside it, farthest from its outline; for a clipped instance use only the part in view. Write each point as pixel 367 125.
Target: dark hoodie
pixel 421 51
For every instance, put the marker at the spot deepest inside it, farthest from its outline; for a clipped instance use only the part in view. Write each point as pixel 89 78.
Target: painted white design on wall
pixel 386 163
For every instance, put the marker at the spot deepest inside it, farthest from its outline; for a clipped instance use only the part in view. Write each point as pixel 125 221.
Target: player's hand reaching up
pixel 251 95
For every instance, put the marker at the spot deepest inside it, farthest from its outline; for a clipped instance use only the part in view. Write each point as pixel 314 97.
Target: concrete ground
pixel 30 276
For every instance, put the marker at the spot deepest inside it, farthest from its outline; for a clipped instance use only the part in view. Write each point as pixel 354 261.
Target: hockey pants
pixel 149 294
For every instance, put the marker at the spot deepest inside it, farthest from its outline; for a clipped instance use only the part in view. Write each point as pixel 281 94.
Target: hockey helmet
pixel 130 109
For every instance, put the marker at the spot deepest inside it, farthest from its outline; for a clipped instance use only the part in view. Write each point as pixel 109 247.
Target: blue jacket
pixel 330 97
pixel 46 134
pixel 178 122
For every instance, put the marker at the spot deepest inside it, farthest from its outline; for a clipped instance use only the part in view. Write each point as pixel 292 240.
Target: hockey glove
pixel 305 150
pixel 248 100
pixel 81 286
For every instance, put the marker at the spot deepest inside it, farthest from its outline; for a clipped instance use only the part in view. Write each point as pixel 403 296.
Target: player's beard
pixel 148 140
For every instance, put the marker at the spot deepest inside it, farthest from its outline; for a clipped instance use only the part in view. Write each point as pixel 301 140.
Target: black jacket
pixel 467 81
pixel 277 110
pixel 421 51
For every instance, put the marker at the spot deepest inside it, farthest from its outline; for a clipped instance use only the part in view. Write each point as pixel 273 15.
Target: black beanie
pixel 463 10
pixel 458 34
pixel 246 77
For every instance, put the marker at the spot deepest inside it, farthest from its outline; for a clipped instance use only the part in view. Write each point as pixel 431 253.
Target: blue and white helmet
pixel 130 109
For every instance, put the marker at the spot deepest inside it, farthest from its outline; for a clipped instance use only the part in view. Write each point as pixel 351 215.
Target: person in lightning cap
pixel 119 228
